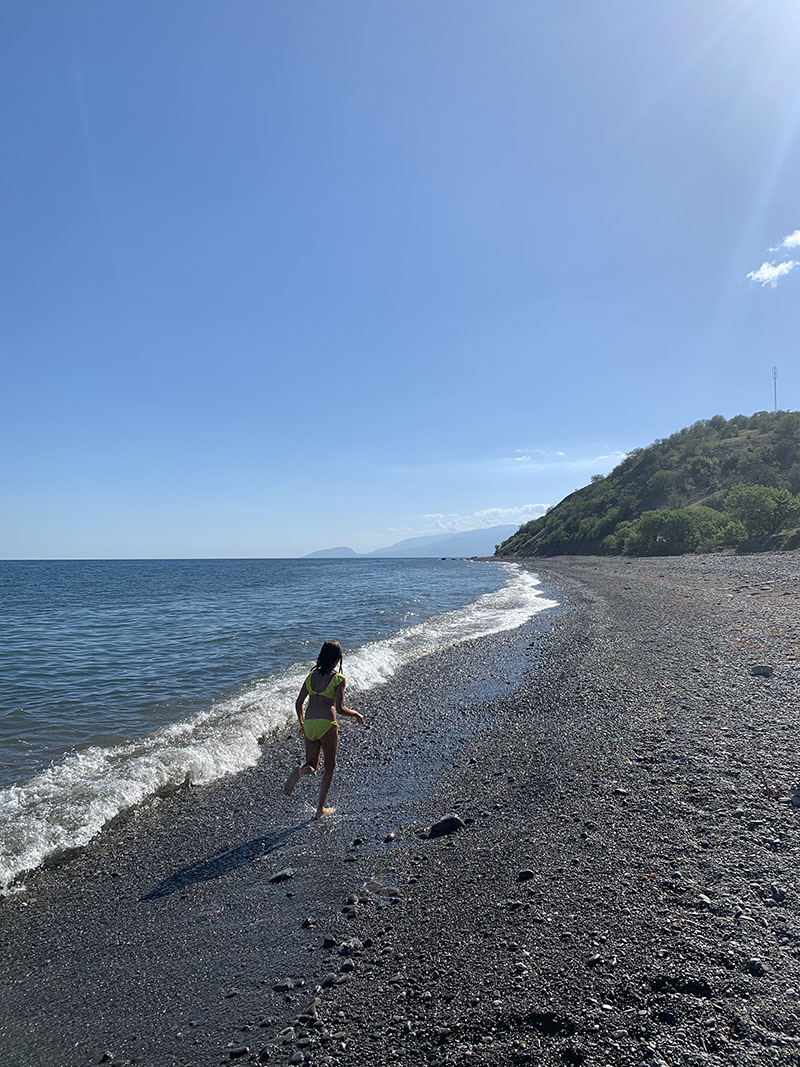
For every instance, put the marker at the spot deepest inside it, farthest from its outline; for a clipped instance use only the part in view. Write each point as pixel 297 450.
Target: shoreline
pixel 613 751
pixel 86 786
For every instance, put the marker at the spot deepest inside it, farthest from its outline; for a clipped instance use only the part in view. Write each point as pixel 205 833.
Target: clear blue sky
pixel 279 275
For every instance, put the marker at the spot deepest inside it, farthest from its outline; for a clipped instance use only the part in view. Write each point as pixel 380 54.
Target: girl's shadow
pixel 223 861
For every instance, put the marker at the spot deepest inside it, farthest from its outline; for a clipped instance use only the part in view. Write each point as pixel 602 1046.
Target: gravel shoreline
pixel 623 890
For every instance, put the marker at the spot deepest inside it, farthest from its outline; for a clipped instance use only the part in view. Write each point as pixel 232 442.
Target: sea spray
pixel 64 806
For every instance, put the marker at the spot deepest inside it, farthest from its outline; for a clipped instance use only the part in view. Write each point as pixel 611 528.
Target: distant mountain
pixel 409 546
pixel 468 543
pixel 332 553
pixel 720 483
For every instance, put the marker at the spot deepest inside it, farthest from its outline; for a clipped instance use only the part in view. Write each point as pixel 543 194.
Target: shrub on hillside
pixel 761 509
pixel 671 533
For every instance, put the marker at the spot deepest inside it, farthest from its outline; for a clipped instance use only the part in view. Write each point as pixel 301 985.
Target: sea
pixel 120 679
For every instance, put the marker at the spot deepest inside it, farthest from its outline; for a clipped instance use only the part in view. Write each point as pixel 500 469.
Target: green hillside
pixel 719 483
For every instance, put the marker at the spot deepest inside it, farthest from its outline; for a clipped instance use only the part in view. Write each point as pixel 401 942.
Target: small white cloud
pixel 771 273
pixel 540 461
pixel 791 240
pixel 455 523
pixel 532 455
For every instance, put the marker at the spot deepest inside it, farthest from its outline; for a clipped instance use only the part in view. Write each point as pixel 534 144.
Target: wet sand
pixel 623 889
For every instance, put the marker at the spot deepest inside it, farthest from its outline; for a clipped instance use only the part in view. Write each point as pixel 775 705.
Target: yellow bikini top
pixel 329 692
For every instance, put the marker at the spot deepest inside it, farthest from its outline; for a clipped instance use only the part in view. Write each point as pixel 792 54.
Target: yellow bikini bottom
pixel 314 729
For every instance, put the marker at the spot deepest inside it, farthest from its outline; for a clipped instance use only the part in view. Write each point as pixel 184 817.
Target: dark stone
pixel 283 876
pixel 448 824
pixel 525 876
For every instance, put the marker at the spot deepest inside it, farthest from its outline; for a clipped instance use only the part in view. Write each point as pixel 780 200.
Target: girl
pixel 324 688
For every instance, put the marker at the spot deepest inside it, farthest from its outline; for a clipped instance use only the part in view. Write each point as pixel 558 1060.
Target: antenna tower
pixel 775 387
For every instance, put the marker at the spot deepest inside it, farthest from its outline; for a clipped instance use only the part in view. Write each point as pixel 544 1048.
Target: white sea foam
pixel 65 806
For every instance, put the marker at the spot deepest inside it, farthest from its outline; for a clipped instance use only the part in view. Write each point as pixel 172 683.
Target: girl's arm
pixel 298 705
pixel 341 707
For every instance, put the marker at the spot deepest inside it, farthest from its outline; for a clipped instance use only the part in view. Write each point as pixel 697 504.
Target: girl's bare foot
pixel 291 782
pixel 322 812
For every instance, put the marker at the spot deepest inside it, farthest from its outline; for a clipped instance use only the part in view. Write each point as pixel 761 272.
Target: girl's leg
pixel 329 743
pixel 310 766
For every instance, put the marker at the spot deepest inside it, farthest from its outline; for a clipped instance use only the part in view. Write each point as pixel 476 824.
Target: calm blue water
pixel 121 678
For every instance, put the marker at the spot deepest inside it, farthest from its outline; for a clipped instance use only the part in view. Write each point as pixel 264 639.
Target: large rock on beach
pixel 448 824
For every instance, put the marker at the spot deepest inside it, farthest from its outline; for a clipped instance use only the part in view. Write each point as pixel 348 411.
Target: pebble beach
pixel 572 843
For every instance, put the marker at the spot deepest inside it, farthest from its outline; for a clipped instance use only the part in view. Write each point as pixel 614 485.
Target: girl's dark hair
pixel 329 658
